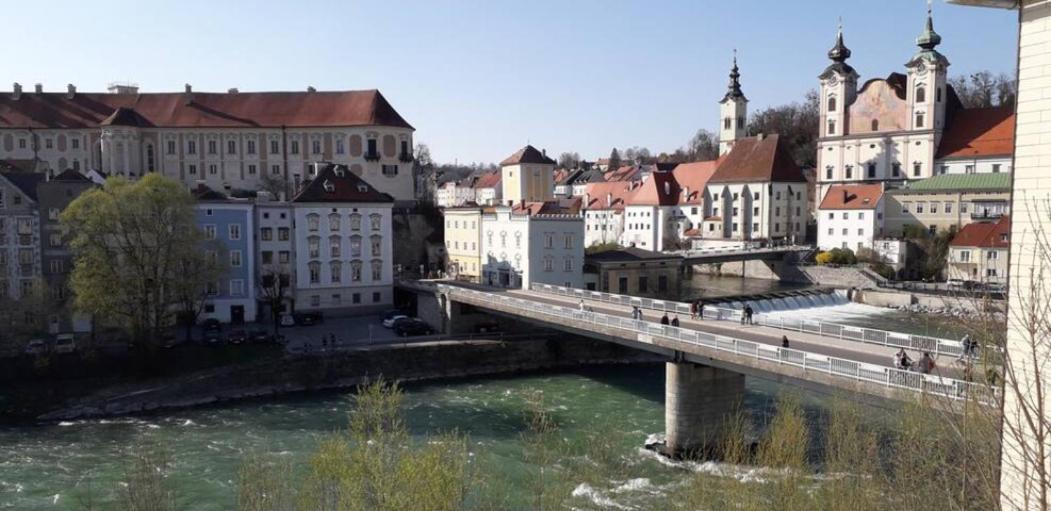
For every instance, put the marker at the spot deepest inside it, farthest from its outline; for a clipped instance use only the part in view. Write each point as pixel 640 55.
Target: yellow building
pixel 463 242
pixel 527 175
pixel 947 201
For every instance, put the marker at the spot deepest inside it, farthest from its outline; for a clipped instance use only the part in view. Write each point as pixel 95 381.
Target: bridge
pixel 711 255
pixel 709 357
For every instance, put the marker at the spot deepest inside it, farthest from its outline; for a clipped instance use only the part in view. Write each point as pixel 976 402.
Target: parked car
pixel 211 325
pixel 389 320
pixel 64 343
pixel 259 336
pixel 287 320
pixel 238 336
pixel 36 347
pixel 212 337
pixel 309 318
pixel 411 326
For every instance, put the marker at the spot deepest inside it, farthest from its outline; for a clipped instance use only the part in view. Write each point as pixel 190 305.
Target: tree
pixel 703 146
pixel 132 243
pixel 274 284
pixel 273 184
pixel 983 89
pixel 796 124
pixel 24 318
pixel 614 159
pixel 569 160
pixel 199 275
pixel 424 173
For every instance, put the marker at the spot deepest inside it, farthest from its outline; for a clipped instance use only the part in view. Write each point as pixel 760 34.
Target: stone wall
pixel 841 277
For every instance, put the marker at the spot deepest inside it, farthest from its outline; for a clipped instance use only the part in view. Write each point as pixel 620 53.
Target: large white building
pixel 851 216
pixel 520 248
pixel 227 140
pixel 342 244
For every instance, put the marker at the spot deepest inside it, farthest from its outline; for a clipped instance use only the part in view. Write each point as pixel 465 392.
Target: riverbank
pixel 345 369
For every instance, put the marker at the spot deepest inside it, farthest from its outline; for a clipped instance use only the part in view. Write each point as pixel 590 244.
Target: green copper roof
pixel 961 182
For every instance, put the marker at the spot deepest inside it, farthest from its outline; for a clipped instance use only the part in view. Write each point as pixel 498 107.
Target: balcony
pixel 986 215
pixel 405 157
pixel 372 156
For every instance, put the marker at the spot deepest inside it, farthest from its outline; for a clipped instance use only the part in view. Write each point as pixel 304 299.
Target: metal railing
pixel 934 345
pixel 645 332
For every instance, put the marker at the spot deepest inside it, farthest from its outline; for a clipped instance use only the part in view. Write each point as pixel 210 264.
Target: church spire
pixel 928 39
pixel 733 89
pixel 839 53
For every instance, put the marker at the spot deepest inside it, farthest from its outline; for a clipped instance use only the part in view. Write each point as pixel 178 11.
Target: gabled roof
pixel 551 207
pixel 693 177
pixel 124 116
pixel 623 173
pixel 660 189
pixel 978 132
pixel 70 175
pixel 26 182
pixel 607 195
pixel 527 154
pixel 488 180
pixel 860 196
pixel 758 159
pixel 203 109
pixel 985 181
pixel 985 234
pixel 336 183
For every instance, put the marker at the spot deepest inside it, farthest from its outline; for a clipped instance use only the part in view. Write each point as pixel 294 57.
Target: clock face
pixel 833 81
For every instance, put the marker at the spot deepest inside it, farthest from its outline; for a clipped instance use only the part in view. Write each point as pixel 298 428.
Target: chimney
pixel 16 91
pixel 310 88
pixel 846 196
pixel 609 200
pixel 71 90
pixel 38 88
pixel 760 136
pixel 232 90
pixel 188 94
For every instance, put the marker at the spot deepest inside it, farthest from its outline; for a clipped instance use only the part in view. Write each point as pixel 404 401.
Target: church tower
pixel 839 86
pixel 926 95
pixel 733 110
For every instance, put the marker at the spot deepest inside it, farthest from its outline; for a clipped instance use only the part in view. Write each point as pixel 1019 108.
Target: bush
pixel 883 269
pixel 841 256
pixel 823 258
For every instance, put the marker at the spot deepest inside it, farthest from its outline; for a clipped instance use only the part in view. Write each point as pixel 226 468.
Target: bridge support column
pixel 697 402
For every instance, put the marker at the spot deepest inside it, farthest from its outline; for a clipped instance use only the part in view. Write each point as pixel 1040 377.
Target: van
pixel 64 343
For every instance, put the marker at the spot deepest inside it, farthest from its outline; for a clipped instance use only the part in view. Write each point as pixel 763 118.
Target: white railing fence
pixel 934 345
pixel 645 330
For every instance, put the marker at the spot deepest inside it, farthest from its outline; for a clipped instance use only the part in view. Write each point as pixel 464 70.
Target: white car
pixel 64 343
pixel 287 320
pixel 389 322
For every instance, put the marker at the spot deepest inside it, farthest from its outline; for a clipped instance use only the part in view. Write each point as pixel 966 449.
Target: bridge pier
pixel 698 400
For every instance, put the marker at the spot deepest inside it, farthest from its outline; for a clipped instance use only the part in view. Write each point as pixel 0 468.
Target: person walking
pixel 902 360
pixel 784 341
pixel 744 314
pixel 700 309
pixel 675 321
pixel 748 313
pixel 664 319
pixel 582 309
pixel 693 310
pixel 926 364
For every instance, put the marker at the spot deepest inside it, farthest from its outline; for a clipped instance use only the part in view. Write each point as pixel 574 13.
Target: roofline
pixel 877 134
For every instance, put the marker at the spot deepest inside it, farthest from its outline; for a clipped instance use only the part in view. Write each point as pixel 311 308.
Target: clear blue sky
pixel 478 79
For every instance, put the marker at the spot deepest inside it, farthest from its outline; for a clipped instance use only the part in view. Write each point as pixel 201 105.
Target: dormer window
pixel 329 187
pixel 362 188
pixel 338 171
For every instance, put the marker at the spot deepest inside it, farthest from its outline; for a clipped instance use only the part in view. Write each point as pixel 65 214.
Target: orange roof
pixel 660 189
pixel 694 177
pixel 985 234
pixel 979 132
pixel 527 154
pixel 862 196
pixel 488 180
pixel 624 173
pixel 552 207
pixel 759 159
pixel 607 195
pixel 203 110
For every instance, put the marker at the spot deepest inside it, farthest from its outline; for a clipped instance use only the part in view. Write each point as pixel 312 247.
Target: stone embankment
pixel 347 369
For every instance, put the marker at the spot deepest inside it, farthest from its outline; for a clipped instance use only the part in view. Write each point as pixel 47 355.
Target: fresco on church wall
pixel 878 101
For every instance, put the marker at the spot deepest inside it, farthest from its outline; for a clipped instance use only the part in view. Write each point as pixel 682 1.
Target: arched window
pixel 919 120
pixel 832 104
pixel 831 127
pixel 334 245
pixel 875 125
pixel 921 94
pixel 726 123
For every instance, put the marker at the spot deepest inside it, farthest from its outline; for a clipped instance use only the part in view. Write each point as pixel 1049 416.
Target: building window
pixel 234 231
pixel 832 104
pixel 568 264
pixel 191 147
pixel 312 222
pixel 965 256
pixel 209 232
pixel 919 120
pixel 315 146
pixel 849 171
pixel 990 272
pixel 337 299
pixel 831 127
pixel 315 300
pixel 250 146
pixel 548 264
pixel 213 169
pixel 828 172
pixel 355 246
pixel 211 147
pixel 251 170
pixel 335 269
pixel 340 146
pixel 315 271
pixel 390 170
pixel 333 222
pixel 934 208
pixel 377 271
pixel 872 171
pixel 294 147
pixel 314 245
pixel 355 271
pixel 895 169
pixel 861 232
pixel 921 94
pixel 376 297
pixel 967 169
pixel 875 125
pixel 991 254
pixel 334 246
pixel 235 258
pixel 274 147
pixel 948 207
pixel 284 256
pixel 569 241
pixel 375 246
pixel 726 123
pixel 996 168
pixel 282 233
pixel 355 298
pixel 149 157
pixel 916 167
pixel 268 257
pixel 355 222
pixel 237 287
pixel 919 207
pixel 21 143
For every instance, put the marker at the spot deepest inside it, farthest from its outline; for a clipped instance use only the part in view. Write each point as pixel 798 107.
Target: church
pixel 894 131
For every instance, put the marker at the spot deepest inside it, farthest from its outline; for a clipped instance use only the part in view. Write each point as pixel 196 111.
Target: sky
pixel 480 79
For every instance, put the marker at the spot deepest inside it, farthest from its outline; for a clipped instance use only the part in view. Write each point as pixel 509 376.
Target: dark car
pixel 212 337
pixel 259 336
pixel 237 337
pixel 487 327
pixel 309 318
pixel 211 325
pixel 411 326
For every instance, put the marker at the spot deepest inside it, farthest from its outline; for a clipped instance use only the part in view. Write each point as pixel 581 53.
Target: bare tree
pixel 796 124
pixel 569 160
pixel 273 184
pixel 983 89
pixel 201 272
pixel 274 284
pixel 703 146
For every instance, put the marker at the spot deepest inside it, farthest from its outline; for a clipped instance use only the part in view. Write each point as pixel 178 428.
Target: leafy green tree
pixel 132 244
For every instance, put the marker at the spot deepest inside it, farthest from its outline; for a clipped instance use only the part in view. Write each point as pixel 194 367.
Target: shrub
pixel 823 257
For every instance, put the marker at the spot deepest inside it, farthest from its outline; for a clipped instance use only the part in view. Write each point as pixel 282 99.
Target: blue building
pixel 230 221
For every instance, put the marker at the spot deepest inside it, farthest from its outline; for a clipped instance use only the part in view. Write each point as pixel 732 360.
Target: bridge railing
pixel 934 345
pixel 646 330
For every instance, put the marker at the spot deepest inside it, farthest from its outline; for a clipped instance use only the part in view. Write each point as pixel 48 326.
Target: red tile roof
pixel 660 189
pixel 219 110
pixel 863 196
pixel 756 159
pixel 552 207
pixel 976 132
pixel 985 234
pixel 624 173
pixel 607 195
pixel 488 180
pixel 527 154
pixel 336 183
pixel 694 177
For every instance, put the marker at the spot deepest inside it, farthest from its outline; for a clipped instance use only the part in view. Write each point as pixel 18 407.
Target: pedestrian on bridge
pixel 636 314
pixel 582 309
pixel 926 364
pixel 784 341
pixel 675 321
pixel 902 360
pixel 700 309
pixel 747 314
pixel 664 319
pixel 693 310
